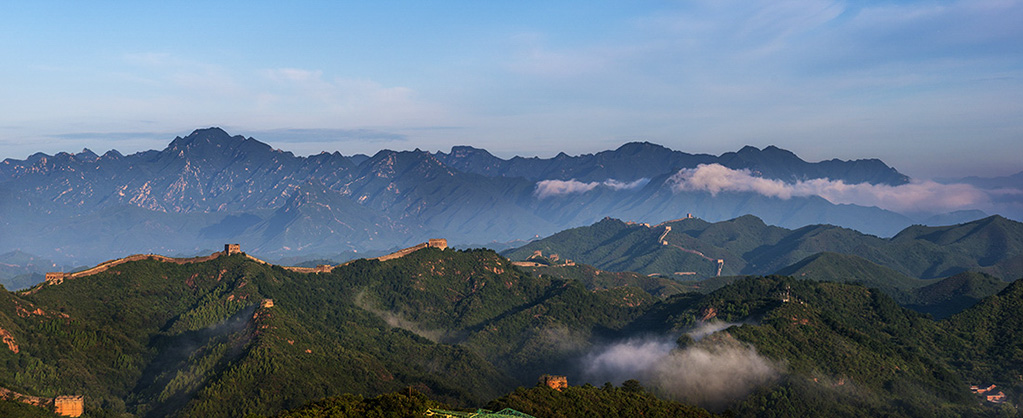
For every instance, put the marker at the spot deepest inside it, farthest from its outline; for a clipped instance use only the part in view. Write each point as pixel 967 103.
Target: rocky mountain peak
pixel 633 148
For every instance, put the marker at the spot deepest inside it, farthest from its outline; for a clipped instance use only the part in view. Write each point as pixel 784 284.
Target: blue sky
pixel 934 88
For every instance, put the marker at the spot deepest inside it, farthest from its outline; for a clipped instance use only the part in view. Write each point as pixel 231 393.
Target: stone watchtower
pixel 440 243
pixel 554 382
pixel 230 249
pixel 69 406
pixel 55 278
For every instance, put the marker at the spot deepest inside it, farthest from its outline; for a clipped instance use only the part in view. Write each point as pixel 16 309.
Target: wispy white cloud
pixel 549 188
pixel 619 185
pixel 709 373
pixel 915 197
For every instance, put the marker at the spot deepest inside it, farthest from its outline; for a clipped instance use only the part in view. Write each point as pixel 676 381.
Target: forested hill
pixel 747 245
pixel 203 339
pixel 232 337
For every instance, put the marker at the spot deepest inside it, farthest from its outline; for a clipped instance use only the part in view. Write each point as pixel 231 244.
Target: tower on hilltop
pixel 554 382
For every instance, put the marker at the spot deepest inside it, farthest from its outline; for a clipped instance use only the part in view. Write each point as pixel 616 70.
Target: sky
pixel 933 88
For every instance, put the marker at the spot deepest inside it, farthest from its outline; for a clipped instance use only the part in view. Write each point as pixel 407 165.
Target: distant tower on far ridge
pixel 230 249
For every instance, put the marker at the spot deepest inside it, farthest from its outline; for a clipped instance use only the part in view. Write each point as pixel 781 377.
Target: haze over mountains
pixel 209 188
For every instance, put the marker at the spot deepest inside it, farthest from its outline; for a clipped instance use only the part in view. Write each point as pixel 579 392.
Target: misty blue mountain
pixel 209 188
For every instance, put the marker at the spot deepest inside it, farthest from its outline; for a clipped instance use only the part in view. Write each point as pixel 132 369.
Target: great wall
pixel 667 228
pixel 55 278
pixel 74 406
pixel 69 406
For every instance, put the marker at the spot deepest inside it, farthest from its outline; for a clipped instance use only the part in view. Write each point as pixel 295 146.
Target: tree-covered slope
pixel 629 400
pixel 846 350
pixel 595 279
pixel 163 339
pixel 953 294
pixel 746 245
pixel 992 331
pixel 231 337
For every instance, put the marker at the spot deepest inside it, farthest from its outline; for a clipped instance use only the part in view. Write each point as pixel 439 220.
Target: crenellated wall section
pixel 55 278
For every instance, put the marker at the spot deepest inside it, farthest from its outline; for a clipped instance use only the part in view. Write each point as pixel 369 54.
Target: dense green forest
pixel 747 245
pixel 463 329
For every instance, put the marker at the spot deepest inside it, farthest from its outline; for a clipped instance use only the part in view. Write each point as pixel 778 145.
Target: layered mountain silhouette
pixel 210 187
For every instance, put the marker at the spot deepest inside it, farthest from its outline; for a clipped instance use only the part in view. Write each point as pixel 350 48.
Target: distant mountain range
pixel 209 188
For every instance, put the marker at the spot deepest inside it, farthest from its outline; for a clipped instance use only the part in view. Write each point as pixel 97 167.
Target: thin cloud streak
pixel 551 188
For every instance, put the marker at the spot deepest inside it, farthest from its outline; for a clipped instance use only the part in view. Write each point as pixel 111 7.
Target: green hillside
pixel 953 294
pixel 157 339
pixel 993 245
pixel 846 350
pixel 595 279
pixel 992 332
pixel 629 400
pixel 831 267
pixel 464 328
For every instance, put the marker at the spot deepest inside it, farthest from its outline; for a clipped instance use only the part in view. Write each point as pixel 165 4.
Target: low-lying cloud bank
pixel 710 373
pixel 548 188
pixel 915 197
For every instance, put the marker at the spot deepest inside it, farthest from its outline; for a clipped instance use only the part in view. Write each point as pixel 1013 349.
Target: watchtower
pixel 230 249
pixel 55 278
pixel 554 382
pixel 440 243
pixel 69 406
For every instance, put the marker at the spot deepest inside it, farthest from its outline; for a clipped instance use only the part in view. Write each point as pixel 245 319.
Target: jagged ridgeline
pixel 210 187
